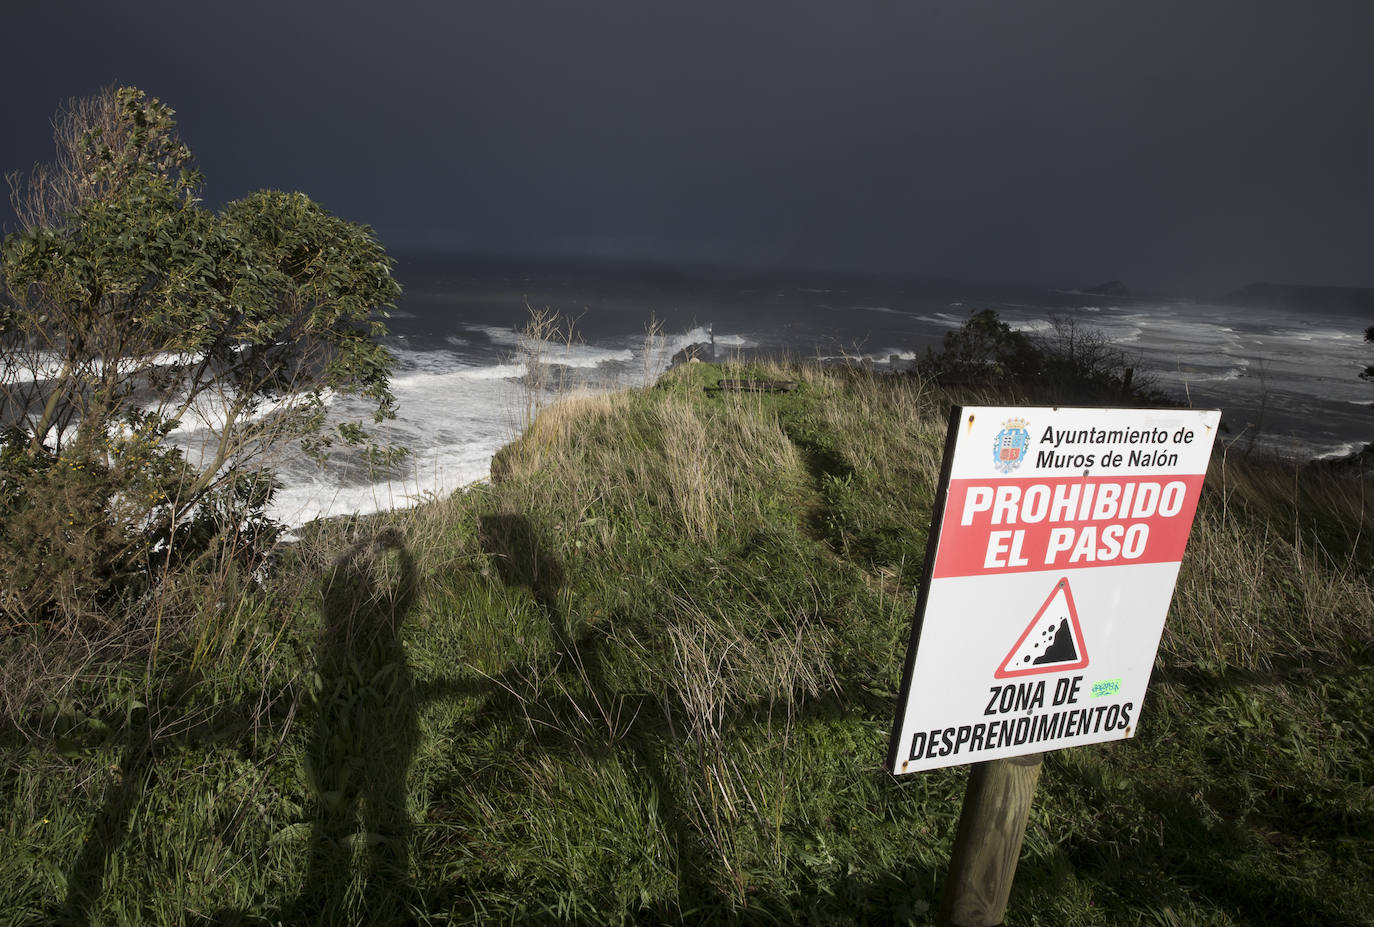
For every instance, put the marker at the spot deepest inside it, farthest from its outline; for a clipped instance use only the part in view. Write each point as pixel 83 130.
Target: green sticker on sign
pixel 1106 687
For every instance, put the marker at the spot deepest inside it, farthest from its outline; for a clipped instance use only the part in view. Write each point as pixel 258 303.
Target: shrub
pixel 1068 364
pixel 129 308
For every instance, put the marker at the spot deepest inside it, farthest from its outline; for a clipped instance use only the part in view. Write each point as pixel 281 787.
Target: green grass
pixel 648 675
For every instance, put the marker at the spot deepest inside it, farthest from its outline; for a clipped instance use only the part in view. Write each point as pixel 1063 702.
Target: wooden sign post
pixel 1056 538
pixel 991 826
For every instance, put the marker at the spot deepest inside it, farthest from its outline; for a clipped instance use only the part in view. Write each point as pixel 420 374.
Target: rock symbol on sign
pixel 1052 642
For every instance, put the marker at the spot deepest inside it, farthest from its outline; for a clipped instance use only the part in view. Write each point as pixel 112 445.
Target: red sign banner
pixel 1064 523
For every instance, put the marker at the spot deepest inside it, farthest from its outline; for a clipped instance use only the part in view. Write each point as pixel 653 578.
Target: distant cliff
pixel 1294 296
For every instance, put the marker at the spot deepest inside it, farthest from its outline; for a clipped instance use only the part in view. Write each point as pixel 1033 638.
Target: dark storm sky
pixel 1182 145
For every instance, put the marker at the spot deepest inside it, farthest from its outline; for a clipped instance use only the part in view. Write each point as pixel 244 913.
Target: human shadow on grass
pixel 573 720
pixel 174 720
pixel 133 774
pixel 364 734
pixel 569 703
pixel 363 737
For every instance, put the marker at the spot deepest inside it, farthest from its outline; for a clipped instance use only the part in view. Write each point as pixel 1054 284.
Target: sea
pixel 467 376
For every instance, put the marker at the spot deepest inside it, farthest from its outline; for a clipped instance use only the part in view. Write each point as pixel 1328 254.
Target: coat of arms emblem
pixel 1011 445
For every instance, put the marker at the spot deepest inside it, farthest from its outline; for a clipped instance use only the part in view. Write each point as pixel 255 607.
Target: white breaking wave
pixel 700 335
pixel 1197 376
pixel 49 366
pixel 874 358
pixel 1342 450
pixel 585 357
pixel 453 416
pixel 425 378
pixel 554 351
pixel 942 319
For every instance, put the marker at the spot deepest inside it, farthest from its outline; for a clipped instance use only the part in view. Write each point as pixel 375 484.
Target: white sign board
pixel 1054 546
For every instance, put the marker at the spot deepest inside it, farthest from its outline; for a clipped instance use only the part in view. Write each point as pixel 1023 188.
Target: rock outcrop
pixel 701 351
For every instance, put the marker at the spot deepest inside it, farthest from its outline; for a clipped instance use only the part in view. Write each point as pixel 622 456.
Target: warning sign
pixel 1055 543
pixel 1052 642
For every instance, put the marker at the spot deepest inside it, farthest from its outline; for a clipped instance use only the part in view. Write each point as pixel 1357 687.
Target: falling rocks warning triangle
pixel 1052 642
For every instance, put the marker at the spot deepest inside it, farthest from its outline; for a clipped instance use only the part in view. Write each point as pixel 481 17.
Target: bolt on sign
pixel 1057 536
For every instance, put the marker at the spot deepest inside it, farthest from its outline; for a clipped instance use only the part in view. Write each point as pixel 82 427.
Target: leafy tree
pixel 129 309
pixel 1368 372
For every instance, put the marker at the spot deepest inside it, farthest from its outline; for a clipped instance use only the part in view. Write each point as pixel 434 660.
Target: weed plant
pixel 646 675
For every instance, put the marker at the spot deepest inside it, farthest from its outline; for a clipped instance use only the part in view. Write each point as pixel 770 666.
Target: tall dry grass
pixel 650 455
pixel 1278 570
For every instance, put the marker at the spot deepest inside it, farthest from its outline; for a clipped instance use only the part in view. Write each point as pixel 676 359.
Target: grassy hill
pixel 647 675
